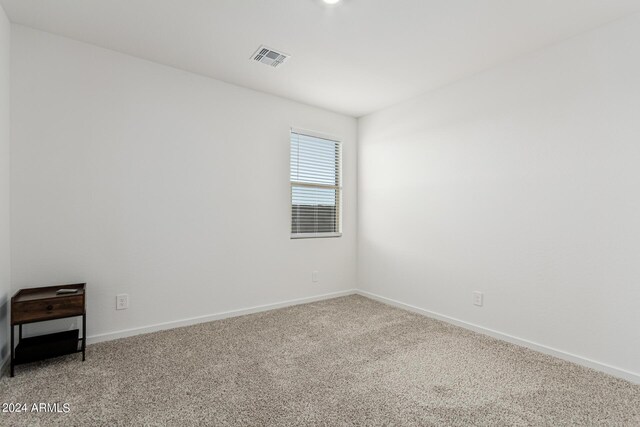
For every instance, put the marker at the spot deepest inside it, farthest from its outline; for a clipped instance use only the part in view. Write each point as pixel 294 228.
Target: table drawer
pixel 29 311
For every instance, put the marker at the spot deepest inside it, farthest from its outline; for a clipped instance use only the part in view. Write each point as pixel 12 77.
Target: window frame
pixel 338 188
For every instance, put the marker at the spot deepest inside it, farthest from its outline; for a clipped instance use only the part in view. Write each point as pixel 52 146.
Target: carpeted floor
pixel 346 361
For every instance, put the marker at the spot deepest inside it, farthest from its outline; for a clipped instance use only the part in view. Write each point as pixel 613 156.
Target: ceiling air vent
pixel 269 56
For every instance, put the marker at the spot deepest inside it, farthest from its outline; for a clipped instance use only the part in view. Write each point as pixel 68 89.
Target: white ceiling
pixel 354 58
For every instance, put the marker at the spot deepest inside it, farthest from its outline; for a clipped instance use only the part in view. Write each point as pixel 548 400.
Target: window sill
pixel 314 235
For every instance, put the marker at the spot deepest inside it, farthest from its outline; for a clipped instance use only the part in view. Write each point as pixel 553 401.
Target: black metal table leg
pixel 12 351
pixel 19 332
pixel 84 334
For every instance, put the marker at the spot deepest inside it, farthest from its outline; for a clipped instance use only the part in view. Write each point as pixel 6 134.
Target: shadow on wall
pixel 4 326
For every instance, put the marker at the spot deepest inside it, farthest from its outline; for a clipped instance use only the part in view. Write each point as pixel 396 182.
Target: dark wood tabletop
pixel 31 294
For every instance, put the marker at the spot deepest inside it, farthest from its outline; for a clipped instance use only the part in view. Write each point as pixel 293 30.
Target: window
pixel 315 186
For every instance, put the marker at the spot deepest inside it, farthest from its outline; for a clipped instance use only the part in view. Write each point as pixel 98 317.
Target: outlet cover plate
pixel 122 301
pixel 478 298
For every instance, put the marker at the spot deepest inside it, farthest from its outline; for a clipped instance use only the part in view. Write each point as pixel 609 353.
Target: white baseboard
pixel 598 366
pixel 92 339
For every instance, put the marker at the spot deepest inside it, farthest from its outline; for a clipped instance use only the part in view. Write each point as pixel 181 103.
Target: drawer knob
pixel 49 307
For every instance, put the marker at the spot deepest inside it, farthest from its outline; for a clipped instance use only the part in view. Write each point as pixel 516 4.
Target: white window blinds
pixel 315 186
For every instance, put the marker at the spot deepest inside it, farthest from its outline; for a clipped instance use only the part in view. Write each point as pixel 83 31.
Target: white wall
pixel 5 135
pixel 174 188
pixel 521 182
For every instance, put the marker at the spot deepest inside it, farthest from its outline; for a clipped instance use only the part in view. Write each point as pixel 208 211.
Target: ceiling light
pixel 331 1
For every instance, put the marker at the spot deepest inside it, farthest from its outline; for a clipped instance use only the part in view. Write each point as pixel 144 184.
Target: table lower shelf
pixel 42 347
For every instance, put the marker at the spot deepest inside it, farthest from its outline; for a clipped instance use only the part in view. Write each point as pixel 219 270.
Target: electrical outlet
pixel 122 302
pixel 478 298
pixel 315 276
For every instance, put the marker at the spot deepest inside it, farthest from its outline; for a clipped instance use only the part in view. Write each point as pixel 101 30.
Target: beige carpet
pixel 346 361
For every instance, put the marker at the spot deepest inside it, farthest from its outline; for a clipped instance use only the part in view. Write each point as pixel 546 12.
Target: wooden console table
pixel 40 304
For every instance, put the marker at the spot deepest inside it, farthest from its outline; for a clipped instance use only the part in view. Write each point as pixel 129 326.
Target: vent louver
pixel 270 57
